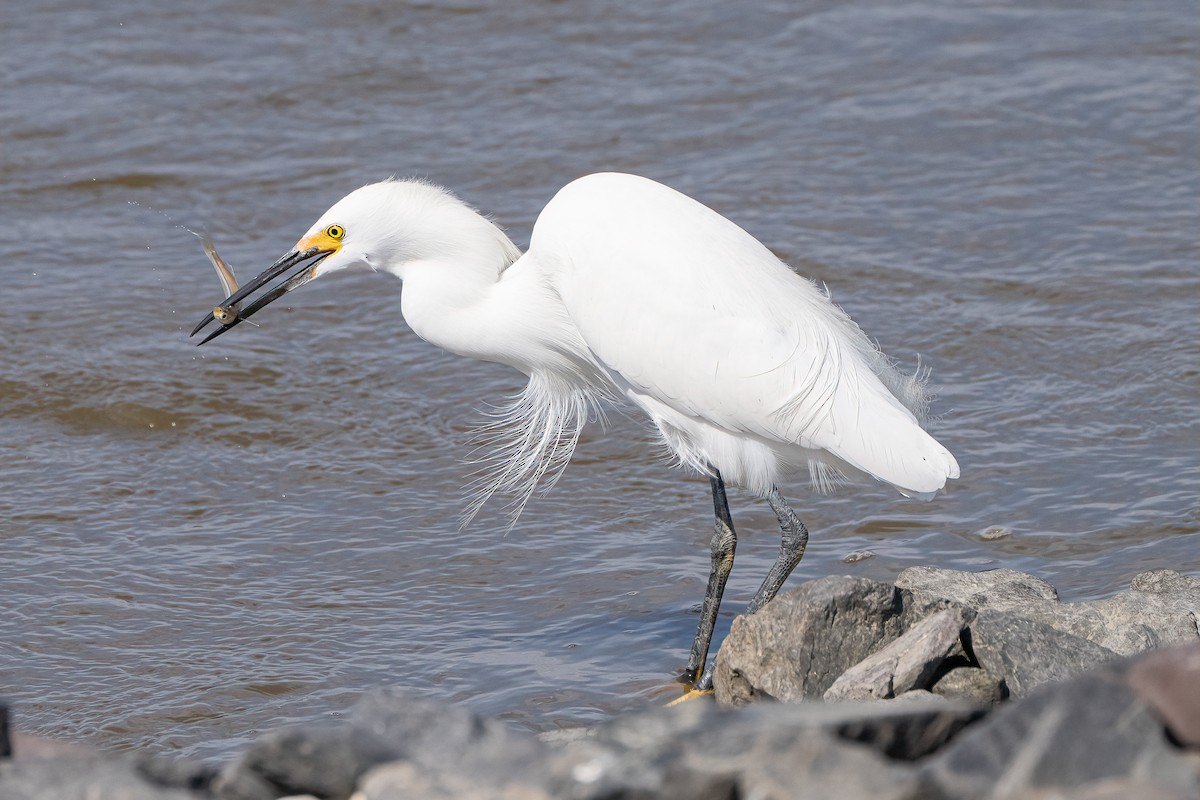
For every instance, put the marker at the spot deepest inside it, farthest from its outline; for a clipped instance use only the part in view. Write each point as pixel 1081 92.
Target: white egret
pixel 631 289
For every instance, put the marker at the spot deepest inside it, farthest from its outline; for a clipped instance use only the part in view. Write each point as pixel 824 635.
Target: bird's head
pixel 384 226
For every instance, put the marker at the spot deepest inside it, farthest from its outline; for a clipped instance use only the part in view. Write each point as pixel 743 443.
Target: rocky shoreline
pixel 944 685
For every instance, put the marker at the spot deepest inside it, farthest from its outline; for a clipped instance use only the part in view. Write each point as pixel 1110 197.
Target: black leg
pixel 724 542
pixel 791 550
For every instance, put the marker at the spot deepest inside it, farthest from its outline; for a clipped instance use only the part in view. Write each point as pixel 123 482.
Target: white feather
pixel 630 288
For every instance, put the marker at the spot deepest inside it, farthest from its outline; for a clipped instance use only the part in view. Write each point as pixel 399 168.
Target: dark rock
pixel 909 662
pixel 1092 728
pixel 802 640
pixel 96 778
pixel 5 742
pixel 908 729
pixel 175 773
pixel 1026 654
pixel 971 683
pixel 1169 682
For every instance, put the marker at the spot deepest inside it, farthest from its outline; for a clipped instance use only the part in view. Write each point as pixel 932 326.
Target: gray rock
pixel 929 589
pixel 175 773
pixel 768 751
pixel 385 726
pixel 1026 654
pixel 1169 682
pixel 321 760
pixel 816 765
pixel 439 736
pixel 916 696
pixel 1089 729
pixel 974 684
pixel 909 662
pixel 1161 608
pixel 802 640
pixel 99 778
pixel 405 780
pixel 908 729
pixel 1108 789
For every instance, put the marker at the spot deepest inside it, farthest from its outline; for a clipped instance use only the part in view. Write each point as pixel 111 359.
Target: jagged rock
pixel 909 662
pixel 1161 608
pixel 1089 729
pixel 1169 682
pixel 96 778
pixel 802 640
pixel 1026 654
pixel 971 683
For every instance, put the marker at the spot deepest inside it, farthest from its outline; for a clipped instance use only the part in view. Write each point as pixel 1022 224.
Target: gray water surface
pixel 197 545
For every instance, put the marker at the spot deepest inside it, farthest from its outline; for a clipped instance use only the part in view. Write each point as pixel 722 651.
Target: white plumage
pixel 632 289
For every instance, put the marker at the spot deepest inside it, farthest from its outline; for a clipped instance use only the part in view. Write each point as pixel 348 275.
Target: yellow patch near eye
pixel 329 239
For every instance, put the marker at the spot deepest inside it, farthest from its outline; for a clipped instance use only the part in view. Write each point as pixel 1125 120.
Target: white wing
pixel 722 342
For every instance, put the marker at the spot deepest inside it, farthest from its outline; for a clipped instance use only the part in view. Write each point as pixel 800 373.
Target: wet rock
pixel 5 742
pixel 798 644
pixel 908 662
pixel 1025 654
pixel 1169 682
pixel 974 684
pixel 1065 735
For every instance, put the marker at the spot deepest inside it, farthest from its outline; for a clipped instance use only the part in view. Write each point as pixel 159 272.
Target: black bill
pixel 306 260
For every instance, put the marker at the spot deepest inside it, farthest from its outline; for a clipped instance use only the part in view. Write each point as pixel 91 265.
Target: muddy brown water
pixel 197 545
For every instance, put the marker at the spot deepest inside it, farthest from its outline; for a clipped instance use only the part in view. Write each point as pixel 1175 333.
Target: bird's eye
pixel 335 232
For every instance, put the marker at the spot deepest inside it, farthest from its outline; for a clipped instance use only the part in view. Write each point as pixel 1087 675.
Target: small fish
pixel 226 315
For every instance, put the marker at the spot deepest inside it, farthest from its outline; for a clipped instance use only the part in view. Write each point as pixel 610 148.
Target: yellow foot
pixel 691 694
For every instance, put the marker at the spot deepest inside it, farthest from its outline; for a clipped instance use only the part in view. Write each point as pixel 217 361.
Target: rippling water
pixel 200 544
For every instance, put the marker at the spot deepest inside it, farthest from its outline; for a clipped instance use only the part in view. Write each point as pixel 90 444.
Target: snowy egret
pixel 631 289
